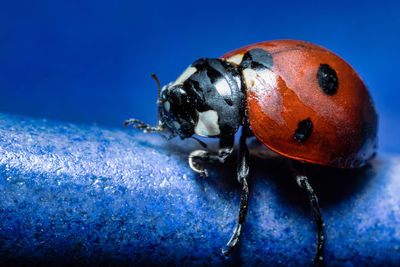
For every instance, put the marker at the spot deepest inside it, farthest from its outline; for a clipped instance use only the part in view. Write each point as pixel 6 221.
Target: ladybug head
pixel 207 99
pixel 176 113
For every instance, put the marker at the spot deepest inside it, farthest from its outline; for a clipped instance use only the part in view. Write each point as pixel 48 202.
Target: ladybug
pixel 299 99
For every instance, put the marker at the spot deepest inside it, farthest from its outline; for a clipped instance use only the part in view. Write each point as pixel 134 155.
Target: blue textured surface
pixel 85 194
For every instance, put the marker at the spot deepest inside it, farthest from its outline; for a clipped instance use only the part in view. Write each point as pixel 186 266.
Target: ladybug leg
pixel 242 174
pixel 142 126
pixel 198 157
pixel 304 184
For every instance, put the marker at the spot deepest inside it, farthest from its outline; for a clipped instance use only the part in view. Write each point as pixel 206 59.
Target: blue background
pixel 90 61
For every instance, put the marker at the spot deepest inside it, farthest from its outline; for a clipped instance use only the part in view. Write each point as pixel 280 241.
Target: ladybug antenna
pixel 159 87
pixel 159 123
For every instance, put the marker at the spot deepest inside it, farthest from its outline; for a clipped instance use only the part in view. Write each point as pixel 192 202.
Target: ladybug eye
pixel 166 105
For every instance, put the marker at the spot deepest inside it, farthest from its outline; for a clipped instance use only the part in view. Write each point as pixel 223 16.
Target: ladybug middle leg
pixel 304 184
pixel 242 174
pixel 198 157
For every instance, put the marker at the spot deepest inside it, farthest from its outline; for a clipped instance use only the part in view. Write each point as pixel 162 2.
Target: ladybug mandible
pixel 299 99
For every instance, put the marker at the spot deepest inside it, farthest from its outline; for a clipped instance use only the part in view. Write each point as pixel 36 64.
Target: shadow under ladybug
pixel 300 100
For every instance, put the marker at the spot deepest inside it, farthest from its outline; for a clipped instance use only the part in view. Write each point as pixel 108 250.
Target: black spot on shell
pixel 257 59
pixel 303 131
pixel 327 79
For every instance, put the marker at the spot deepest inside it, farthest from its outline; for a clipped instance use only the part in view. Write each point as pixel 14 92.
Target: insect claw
pixel 195 166
pixel 133 121
pixel 204 173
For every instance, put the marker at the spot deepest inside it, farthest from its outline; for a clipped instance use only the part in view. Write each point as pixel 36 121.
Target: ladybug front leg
pixel 303 183
pixel 142 126
pixel 198 157
pixel 242 174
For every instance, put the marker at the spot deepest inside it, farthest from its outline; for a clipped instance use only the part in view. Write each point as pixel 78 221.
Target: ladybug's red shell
pixel 344 122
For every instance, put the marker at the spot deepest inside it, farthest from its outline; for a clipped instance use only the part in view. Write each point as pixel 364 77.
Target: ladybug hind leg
pixel 242 174
pixel 304 184
pixel 198 158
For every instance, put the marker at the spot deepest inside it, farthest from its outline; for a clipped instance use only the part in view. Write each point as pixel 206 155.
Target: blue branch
pixel 85 194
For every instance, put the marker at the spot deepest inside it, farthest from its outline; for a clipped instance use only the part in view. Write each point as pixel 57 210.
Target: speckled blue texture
pixel 85 194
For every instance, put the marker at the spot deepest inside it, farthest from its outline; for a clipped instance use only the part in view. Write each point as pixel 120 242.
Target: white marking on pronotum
pixel 207 125
pixel 223 87
pixel 236 59
pixel 166 106
pixel 185 75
